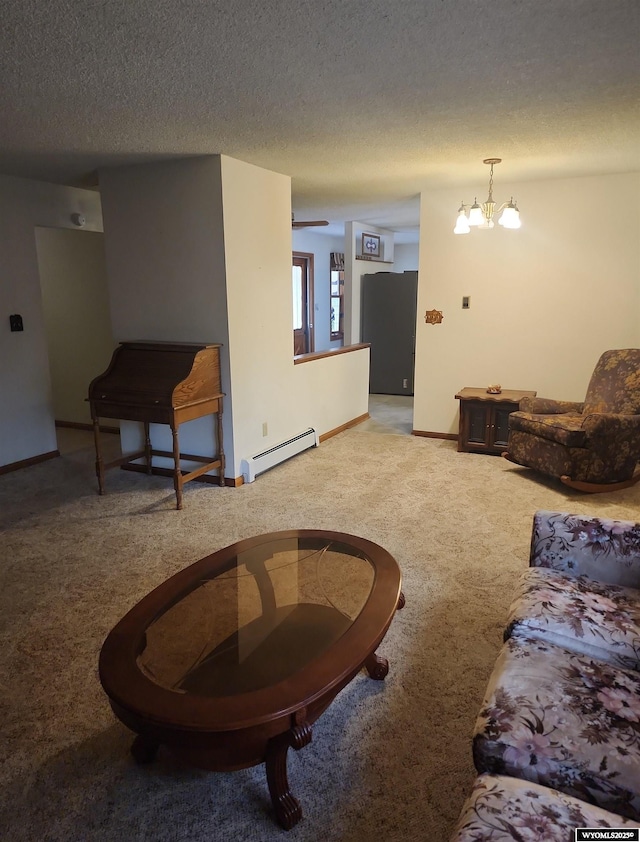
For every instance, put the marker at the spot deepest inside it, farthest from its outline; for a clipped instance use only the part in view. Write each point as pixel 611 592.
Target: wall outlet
pixel 265 429
pixel 405 383
pixel 466 302
pixel 15 323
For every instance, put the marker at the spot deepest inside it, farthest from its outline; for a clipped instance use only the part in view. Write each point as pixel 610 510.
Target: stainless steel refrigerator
pixel 389 301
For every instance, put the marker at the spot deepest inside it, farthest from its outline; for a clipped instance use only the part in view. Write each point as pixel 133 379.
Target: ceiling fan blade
pixel 311 224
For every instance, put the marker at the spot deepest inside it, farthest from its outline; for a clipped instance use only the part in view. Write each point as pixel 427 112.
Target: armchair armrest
pixel 548 406
pixel 605 550
pixel 609 424
pixel 614 439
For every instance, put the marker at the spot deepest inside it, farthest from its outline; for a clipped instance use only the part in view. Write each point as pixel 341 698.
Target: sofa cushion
pixel 602 549
pixel 563 720
pixel 502 809
pixel 578 613
pixel 564 429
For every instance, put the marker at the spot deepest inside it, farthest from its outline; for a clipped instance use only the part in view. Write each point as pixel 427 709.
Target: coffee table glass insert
pixel 278 607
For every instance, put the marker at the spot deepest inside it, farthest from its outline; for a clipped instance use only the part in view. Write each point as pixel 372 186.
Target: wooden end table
pixel 484 418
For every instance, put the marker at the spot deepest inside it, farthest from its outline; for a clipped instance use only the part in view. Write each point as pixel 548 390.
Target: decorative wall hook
pixel 433 317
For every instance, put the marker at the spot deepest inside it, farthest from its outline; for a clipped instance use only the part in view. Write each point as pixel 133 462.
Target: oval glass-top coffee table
pixel 230 662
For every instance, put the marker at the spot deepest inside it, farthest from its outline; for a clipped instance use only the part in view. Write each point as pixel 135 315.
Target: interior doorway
pixel 302 280
pixel 389 414
pixel 389 307
pixel 75 304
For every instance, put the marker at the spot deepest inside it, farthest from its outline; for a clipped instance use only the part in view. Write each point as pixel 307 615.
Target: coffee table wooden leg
pixel 287 808
pixel 144 750
pixel 377 667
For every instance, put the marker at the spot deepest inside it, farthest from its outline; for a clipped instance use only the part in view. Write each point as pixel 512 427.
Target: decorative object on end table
pixel 495 389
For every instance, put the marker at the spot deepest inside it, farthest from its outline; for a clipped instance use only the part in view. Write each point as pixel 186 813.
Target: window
pixel 336 284
pixel 298 297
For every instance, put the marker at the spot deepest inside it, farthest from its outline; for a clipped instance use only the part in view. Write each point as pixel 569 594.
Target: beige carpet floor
pixel 389 760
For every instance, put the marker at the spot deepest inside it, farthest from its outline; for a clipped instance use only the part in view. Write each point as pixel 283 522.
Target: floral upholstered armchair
pixel 593 445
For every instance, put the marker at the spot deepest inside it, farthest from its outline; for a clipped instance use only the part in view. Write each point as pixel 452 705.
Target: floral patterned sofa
pixel 504 809
pixel 593 445
pixel 582 588
pixel 565 721
pixel 558 734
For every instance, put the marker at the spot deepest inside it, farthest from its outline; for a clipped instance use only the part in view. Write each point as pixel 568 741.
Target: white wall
pixel 321 246
pixel 165 250
pixel 267 386
pixel 75 300
pixel 257 241
pixel 165 264
pixel 405 257
pixel 200 250
pixel 333 390
pixel 546 300
pixel 355 268
pixel 26 411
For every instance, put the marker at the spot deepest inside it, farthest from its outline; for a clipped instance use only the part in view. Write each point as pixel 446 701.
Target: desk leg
pixel 99 462
pixel 219 438
pixel 147 446
pixel 177 475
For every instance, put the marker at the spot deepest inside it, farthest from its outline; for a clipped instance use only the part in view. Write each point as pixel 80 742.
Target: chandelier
pixel 481 216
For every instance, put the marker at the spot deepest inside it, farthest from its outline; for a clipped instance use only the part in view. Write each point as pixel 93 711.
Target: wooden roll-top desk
pixel 160 383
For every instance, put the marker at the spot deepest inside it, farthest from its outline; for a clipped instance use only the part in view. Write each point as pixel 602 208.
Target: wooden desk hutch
pixel 160 383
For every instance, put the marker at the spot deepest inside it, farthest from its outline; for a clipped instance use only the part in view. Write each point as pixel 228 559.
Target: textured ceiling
pixel 363 104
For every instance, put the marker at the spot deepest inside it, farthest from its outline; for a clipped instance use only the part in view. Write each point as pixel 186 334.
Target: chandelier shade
pixel 481 215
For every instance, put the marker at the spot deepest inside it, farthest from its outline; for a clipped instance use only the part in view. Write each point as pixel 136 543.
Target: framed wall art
pixel 371 245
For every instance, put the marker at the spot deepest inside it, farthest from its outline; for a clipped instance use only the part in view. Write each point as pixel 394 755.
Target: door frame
pixel 305 259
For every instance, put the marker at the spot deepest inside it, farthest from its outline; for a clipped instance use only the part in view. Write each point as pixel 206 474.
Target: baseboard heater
pixel 261 462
